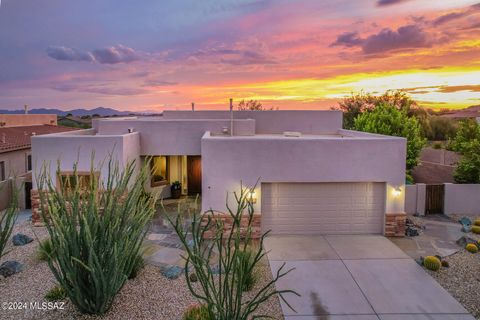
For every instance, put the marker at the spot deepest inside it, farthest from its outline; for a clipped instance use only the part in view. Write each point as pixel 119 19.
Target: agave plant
pixel 97 229
pixel 222 285
pixel 7 221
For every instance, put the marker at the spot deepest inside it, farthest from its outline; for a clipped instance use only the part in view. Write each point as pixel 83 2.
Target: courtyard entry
pixel 434 198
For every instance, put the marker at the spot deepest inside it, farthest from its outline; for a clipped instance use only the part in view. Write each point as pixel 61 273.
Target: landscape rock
pixel 20 239
pixel 9 268
pixel 411 232
pixel 466 228
pixel 465 221
pixel 172 272
pixel 463 241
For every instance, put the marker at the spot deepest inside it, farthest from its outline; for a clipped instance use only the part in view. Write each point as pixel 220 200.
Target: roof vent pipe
pixel 231 117
pixel 193 106
pixel 26 108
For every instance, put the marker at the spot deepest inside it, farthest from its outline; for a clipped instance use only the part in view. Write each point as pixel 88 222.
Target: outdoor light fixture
pixel 397 191
pixel 252 197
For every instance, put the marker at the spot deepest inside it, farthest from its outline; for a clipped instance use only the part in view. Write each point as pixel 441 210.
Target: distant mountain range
pixel 101 111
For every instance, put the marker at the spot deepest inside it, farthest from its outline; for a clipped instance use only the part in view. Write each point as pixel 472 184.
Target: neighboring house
pixel 313 176
pixel 15 154
pixel 16 120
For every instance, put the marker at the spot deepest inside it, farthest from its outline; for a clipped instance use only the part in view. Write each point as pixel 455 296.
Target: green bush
pixel 97 229
pixel 468 132
pixel 432 263
pixel 468 168
pixel 437 145
pixel 197 312
pixel 45 250
pixel 221 286
pixel 57 293
pixel 7 222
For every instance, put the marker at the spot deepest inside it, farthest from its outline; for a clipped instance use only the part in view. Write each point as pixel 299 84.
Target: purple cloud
pixel 158 83
pixel 115 54
pixel 348 39
pixel 382 3
pixel 406 37
pixel 109 55
pixel 456 15
pixel 98 89
pixel 69 54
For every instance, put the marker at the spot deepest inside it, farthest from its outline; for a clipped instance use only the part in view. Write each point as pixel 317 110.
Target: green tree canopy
pixel 468 132
pixel 358 103
pixel 390 120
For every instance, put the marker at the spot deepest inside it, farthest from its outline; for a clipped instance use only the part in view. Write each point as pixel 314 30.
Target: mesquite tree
pixel 222 284
pixel 97 229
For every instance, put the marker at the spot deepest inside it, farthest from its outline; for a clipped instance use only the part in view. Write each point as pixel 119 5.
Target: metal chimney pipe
pixel 231 117
pixel 26 108
pixel 193 106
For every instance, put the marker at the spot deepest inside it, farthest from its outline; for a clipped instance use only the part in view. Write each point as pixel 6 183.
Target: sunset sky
pixel 291 54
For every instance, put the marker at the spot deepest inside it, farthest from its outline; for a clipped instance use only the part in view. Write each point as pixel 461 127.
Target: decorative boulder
pixel 20 239
pixel 466 228
pixel 9 268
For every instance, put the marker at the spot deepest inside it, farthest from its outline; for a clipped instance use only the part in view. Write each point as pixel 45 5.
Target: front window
pixel 159 168
pixel 29 162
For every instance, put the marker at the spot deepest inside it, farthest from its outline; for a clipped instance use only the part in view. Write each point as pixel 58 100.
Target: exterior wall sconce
pixel 252 197
pixel 397 192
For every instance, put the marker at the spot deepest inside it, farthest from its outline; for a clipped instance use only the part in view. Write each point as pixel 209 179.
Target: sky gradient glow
pixel 292 54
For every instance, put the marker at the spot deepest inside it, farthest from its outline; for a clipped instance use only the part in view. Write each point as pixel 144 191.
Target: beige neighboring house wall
pixel 15 162
pixel 17 120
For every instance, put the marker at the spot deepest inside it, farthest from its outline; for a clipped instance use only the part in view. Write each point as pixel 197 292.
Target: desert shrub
pixel 197 312
pixel 97 229
pixel 440 128
pixel 221 285
pixel 432 263
pixel 471 247
pixel 468 168
pixel 45 250
pixel 468 132
pixel 56 293
pixel 437 145
pixel 445 264
pixel 476 229
pixel 7 222
pixel 247 258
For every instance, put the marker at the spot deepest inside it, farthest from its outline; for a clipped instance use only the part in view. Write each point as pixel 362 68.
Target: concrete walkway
pixel 357 278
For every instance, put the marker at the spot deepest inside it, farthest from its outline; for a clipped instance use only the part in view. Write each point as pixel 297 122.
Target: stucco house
pixel 314 176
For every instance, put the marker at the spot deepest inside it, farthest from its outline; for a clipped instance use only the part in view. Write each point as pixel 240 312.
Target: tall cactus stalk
pixel 222 286
pixel 7 221
pixel 97 229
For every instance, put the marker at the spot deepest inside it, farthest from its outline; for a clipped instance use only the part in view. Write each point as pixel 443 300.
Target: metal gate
pixel 434 198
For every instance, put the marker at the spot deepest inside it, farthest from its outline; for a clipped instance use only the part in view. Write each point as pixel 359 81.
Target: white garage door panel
pixel 323 208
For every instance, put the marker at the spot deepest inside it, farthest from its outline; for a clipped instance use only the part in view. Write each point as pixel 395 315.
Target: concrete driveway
pixel 357 278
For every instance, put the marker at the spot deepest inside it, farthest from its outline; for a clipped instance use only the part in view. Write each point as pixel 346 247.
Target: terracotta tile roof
pixel 17 138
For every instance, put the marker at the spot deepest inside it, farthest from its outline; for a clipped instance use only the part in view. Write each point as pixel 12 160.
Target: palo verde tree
pixel 389 120
pixel 96 229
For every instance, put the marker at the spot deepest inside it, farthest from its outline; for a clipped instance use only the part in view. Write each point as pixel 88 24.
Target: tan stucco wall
pixel 15 162
pixel 15 120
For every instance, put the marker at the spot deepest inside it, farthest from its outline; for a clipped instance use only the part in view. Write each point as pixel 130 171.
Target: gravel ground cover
pixel 148 296
pixel 462 280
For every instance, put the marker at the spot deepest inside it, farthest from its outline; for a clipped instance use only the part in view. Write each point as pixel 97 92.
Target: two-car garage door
pixel 323 208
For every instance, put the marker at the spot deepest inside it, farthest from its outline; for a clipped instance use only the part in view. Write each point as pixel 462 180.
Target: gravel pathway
pixel 149 296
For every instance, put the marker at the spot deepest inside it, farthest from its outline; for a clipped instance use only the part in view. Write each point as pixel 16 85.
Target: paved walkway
pixel 357 278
